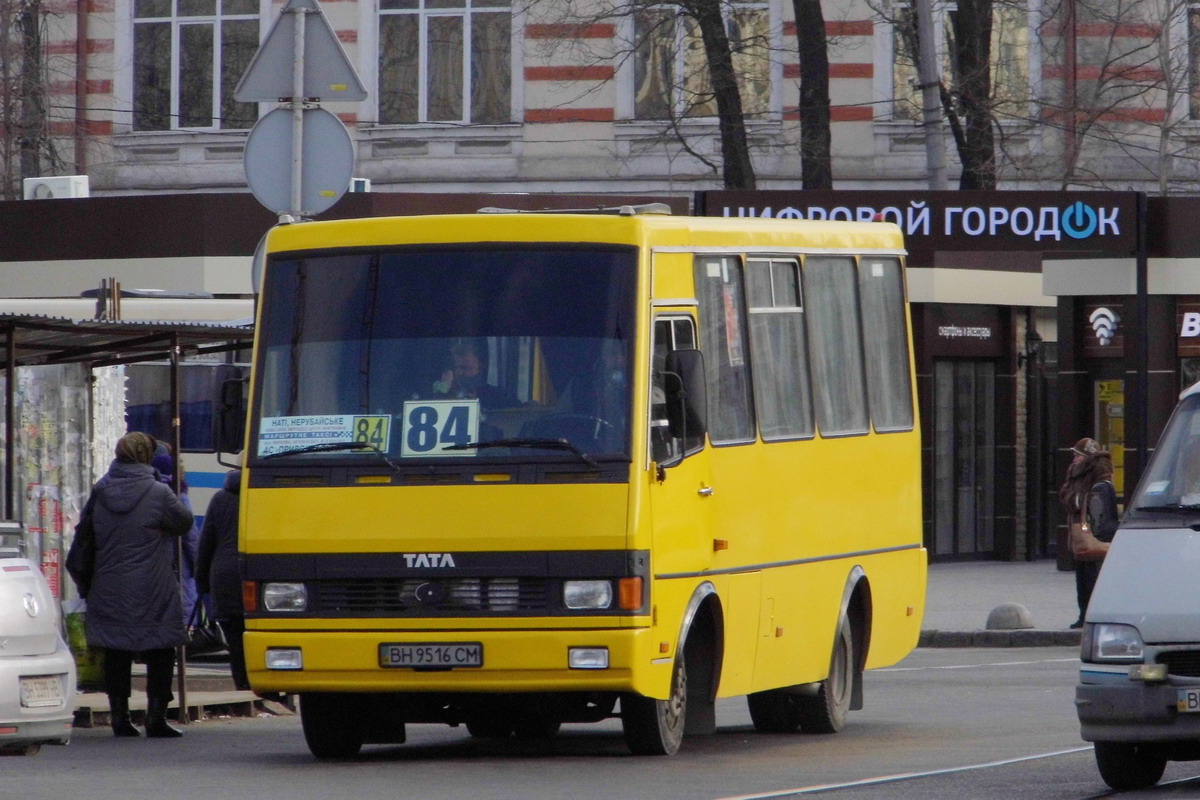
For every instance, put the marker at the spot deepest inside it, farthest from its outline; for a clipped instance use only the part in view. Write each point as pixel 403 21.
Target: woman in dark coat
pixel 1088 494
pixel 217 571
pixel 133 604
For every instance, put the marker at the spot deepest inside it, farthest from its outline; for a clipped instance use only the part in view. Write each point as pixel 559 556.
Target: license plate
pixel 1188 700
pixel 41 692
pixel 436 655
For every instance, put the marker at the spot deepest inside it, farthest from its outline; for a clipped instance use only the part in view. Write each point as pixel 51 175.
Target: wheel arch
pixel 702 645
pixel 857 608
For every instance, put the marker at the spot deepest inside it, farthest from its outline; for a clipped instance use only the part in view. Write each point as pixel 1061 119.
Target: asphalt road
pixel 952 723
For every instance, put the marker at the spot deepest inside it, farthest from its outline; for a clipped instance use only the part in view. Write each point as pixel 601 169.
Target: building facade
pixel 551 95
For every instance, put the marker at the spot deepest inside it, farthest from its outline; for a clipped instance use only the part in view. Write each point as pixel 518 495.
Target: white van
pixel 1138 697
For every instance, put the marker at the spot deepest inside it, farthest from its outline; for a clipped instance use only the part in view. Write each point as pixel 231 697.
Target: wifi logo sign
pixel 1104 322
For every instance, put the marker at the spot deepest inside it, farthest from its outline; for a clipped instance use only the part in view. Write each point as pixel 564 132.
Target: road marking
pixel 902 776
pixel 976 666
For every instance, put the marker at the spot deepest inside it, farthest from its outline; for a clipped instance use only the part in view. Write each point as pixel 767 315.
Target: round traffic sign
pixel 326 162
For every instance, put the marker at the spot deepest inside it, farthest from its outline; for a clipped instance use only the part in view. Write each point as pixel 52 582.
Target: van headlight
pixel 587 594
pixel 1110 642
pixel 285 597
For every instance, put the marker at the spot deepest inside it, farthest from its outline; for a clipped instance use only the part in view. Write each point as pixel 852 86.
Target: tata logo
pixel 418 560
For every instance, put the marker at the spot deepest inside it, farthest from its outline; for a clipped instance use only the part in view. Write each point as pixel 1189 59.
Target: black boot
pixel 156 721
pixel 119 713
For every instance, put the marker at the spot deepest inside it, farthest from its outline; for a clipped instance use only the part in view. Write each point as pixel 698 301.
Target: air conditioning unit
pixel 56 187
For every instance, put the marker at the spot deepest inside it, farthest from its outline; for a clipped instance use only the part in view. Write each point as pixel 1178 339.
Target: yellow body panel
pixel 786 528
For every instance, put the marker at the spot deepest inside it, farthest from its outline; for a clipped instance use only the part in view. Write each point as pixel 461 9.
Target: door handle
pixel 705 491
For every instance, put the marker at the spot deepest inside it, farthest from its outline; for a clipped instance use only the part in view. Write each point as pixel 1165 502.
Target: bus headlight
pixel 587 594
pixel 285 597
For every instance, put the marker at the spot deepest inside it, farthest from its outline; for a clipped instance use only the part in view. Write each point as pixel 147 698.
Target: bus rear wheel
pixel 825 712
pixel 333 724
pixel 655 727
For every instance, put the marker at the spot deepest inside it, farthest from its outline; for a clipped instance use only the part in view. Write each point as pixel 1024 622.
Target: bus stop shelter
pixel 39 341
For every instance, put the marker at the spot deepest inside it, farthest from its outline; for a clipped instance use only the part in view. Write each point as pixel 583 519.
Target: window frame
pixel 214 22
pixel 372 21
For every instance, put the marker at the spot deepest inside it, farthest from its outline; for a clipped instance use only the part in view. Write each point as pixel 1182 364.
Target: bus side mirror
pixel 231 415
pixel 687 394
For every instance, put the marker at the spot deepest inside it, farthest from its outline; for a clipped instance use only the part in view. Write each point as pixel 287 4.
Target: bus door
pixel 681 485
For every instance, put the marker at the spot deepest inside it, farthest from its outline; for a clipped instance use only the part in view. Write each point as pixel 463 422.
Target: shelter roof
pixel 36 339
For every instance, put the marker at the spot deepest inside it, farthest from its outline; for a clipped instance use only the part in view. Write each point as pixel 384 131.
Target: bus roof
pixel 644 230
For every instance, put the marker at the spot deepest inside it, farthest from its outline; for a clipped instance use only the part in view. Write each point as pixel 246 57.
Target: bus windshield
pixel 422 352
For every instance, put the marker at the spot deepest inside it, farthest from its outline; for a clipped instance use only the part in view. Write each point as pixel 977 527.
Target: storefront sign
pixel 1031 221
pixel 964 331
pixel 1103 332
pixel 1187 323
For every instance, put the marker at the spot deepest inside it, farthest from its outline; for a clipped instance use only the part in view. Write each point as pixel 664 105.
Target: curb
pixel 1016 638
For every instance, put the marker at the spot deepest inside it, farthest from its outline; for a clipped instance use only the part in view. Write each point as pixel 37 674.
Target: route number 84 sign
pixel 430 426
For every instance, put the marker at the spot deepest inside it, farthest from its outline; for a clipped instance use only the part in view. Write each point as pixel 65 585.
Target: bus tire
pixel 773 711
pixel 333 724
pixel 655 727
pixel 1130 765
pixel 825 711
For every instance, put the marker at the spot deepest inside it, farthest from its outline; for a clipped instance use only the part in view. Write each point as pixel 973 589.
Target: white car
pixel 37 670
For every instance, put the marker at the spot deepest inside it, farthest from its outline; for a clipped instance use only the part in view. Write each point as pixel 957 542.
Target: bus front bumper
pixel 511 661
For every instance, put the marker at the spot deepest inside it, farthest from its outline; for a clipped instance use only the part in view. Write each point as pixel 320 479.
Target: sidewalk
pixel 210 692
pixel 960 597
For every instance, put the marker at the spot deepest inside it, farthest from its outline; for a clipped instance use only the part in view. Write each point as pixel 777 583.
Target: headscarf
pixel 136 447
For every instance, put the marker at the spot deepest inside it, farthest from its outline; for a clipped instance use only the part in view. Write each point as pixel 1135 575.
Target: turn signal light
pixel 629 594
pixel 250 596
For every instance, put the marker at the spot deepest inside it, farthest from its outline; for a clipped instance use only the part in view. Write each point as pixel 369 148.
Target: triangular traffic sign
pixel 328 74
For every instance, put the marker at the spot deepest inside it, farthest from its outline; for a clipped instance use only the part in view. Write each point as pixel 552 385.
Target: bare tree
pixel 25 143
pixel 1123 94
pixel 816 157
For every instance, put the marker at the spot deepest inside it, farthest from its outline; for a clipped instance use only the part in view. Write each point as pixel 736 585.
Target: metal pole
pixel 931 96
pixel 10 425
pixel 298 112
pixel 176 484
pixel 1143 343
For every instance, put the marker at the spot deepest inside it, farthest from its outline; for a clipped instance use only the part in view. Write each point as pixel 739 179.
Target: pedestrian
pixel 133 603
pixel 217 571
pixel 1088 495
pixel 165 464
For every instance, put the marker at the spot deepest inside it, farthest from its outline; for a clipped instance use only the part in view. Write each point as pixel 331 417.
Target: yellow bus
pixel 512 470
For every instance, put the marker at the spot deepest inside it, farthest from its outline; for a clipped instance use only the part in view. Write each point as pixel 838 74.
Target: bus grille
pixel 1181 662
pixel 419 597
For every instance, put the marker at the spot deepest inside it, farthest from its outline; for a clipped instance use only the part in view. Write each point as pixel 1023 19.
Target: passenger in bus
pixel 466 377
pixel 133 601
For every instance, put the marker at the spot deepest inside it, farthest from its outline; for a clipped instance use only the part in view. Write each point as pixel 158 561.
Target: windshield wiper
pixel 545 444
pixel 333 447
pixel 1171 507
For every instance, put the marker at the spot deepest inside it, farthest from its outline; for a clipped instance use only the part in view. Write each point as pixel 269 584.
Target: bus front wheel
pixel 655 727
pixel 1129 765
pixel 825 712
pixel 334 724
